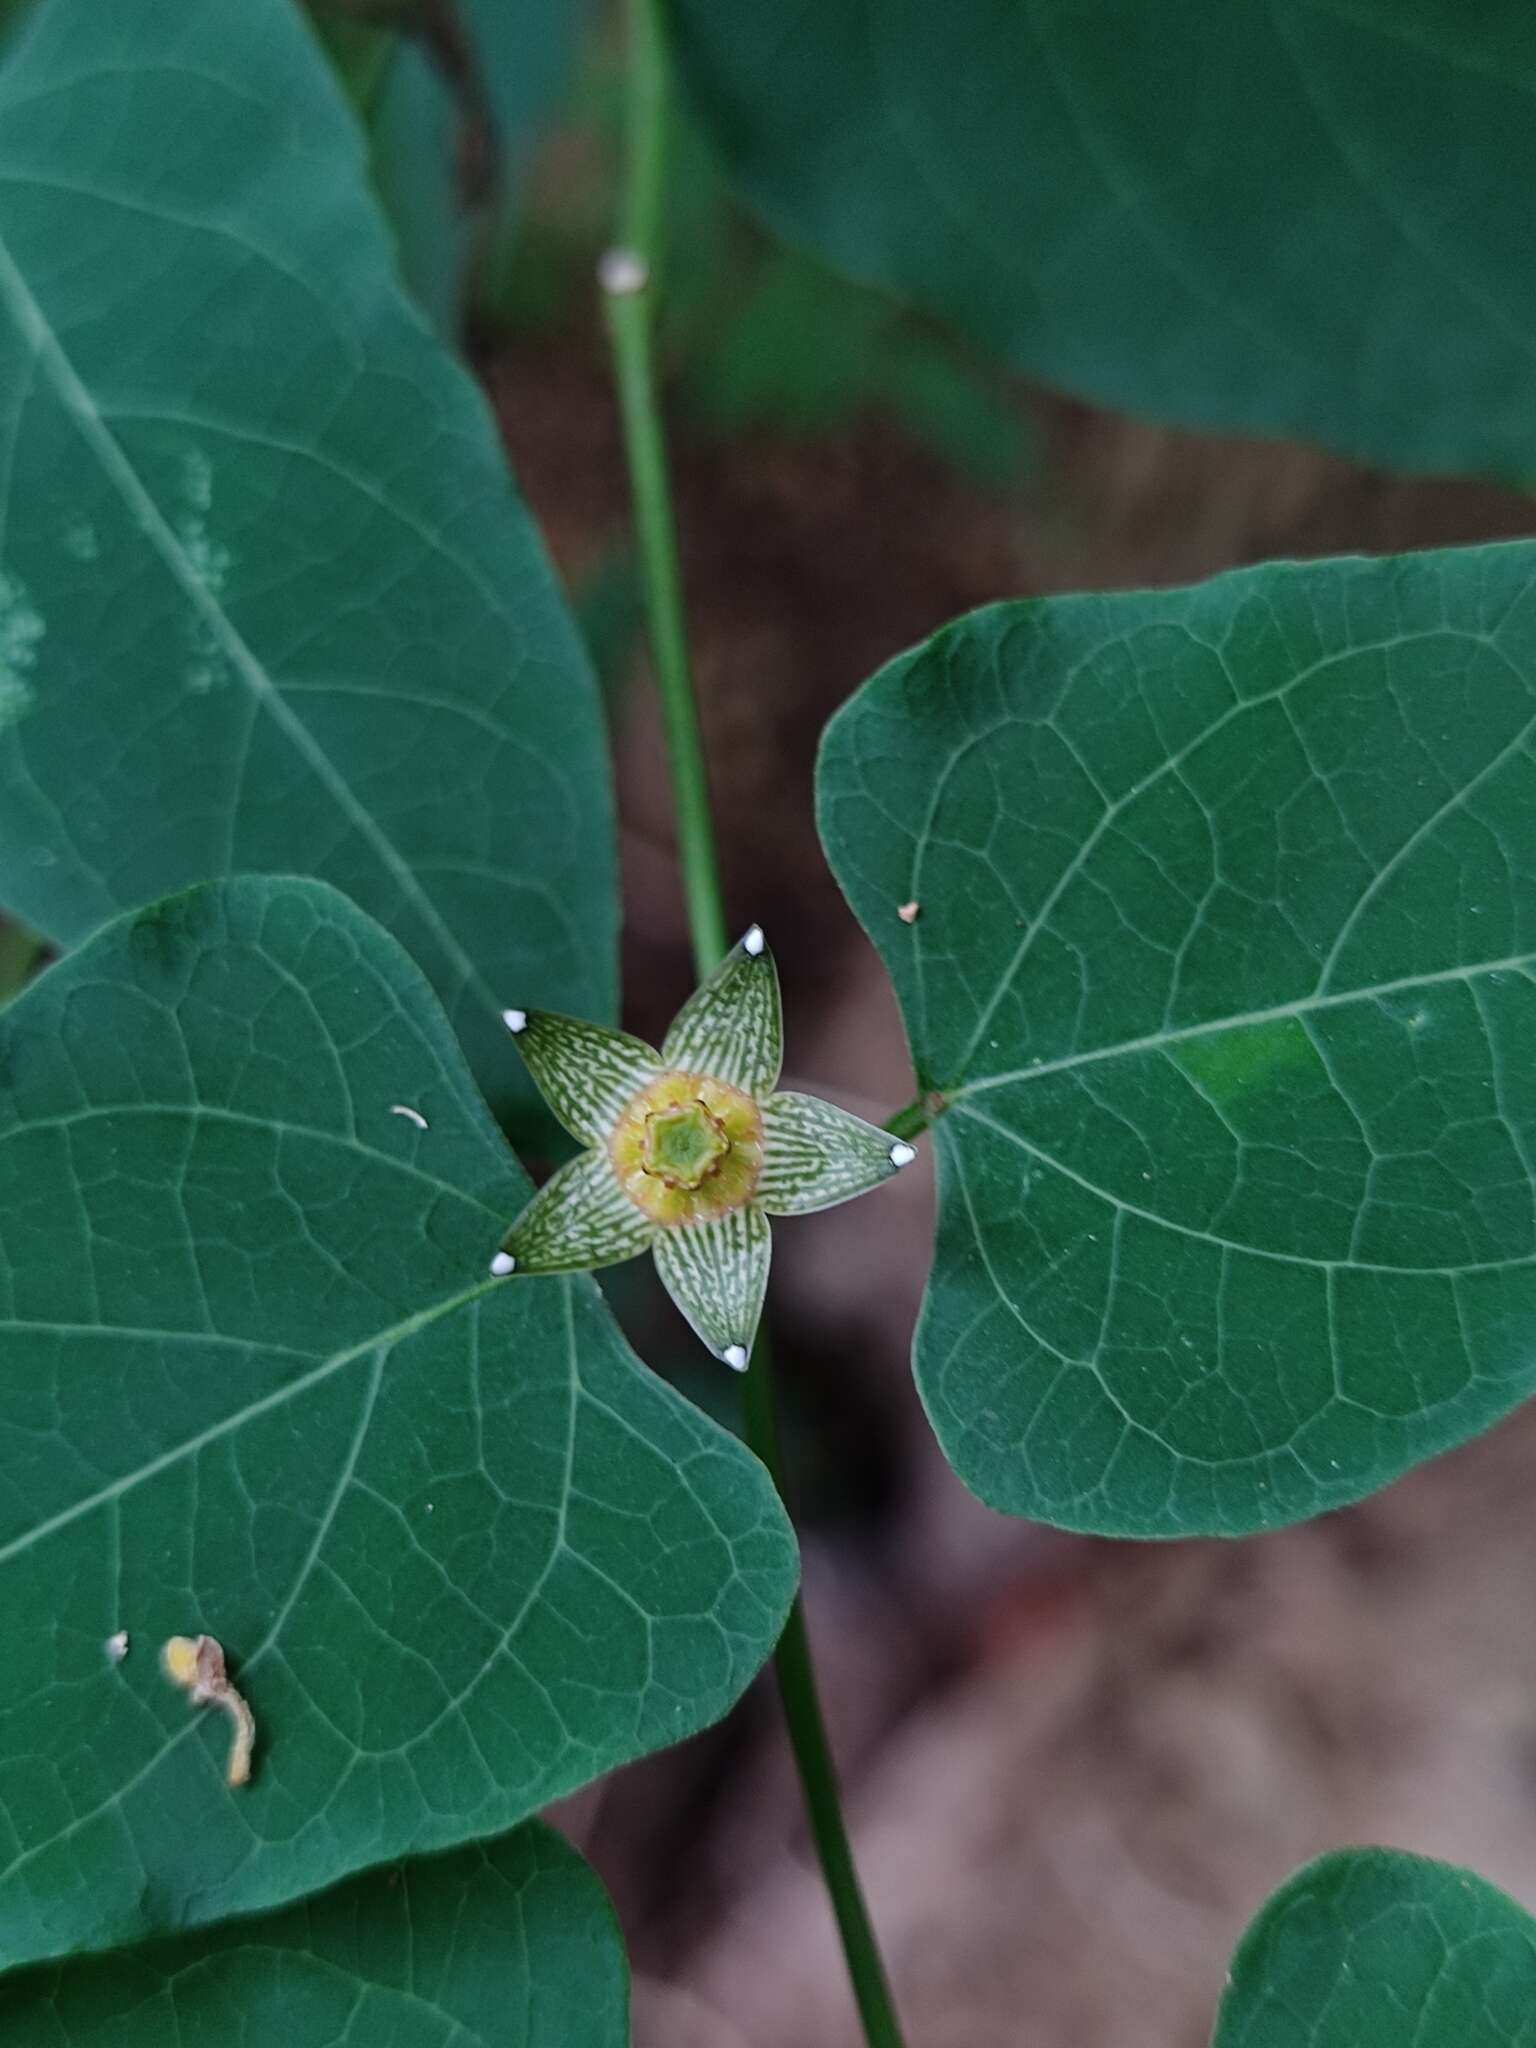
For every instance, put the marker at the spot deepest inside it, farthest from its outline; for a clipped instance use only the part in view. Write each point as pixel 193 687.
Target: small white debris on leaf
pixel 502 1264
pixel 117 1647
pixel 196 1664
pixel 622 272
pixel 735 1356
pixel 902 1154
pixel 752 940
pixel 909 913
pixel 415 1115
pixel 515 1020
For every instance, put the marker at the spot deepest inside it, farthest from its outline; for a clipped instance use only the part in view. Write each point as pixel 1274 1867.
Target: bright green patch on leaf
pixel 462 1552
pixel 1370 1948
pixel 512 1945
pixel 1225 963
pixel 1295 218
pixel 268 599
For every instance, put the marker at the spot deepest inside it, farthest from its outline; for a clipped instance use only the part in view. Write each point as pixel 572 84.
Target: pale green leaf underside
pixel 462 1550
pixel 1224 962
pixel 269 602
pixel 1309 217
pixel 512 1945
pixel 1371 1948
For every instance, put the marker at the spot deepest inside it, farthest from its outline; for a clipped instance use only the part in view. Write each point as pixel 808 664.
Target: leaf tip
pixel 735 1356
pixel 515 1020
pixel 503 1264
pixel 752 940
pixel 902 1154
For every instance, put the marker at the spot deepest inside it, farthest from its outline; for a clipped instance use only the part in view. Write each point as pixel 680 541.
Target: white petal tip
pixel 503 1264
pixel 752 940
pixel 735 1356
pixel 903 1155
pixel 515 1020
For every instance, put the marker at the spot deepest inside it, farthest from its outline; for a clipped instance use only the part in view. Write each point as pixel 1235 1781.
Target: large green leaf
pixel 1225 965
pixel 1308 217
pixel 1370 1948
pixel 268 599
pixel 415 124
pixel 509 1946
pixel 462 1551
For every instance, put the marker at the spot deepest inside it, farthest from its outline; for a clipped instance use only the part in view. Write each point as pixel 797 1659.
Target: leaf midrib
pixel 35 328
pixel 1234 1245
pixel 1303 1006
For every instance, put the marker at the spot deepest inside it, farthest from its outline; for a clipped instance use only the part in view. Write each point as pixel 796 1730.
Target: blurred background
pixel 1074 1767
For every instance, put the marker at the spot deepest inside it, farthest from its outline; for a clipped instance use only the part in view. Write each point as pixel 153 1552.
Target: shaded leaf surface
pixel 1309 217
pixel 1374 1949
pixel 1224 964
pixel 268 600
pixel 415 123
pixel 462 1551
pixel 509 1946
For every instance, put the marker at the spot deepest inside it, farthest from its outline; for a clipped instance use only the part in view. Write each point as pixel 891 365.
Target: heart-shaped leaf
pixel 1223 964
pixel 268 600
pixel 461 1551
pixel 1277 215
pixel 512 1945
pixel 1370 1948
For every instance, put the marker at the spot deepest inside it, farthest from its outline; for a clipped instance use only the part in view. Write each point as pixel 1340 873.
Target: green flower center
pixel 687 1148
pixel 683 1145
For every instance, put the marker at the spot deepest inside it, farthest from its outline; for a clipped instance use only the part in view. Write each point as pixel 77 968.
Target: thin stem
pixel 917 1116
pixel 629 280
pixel 813 1754
pixel 628 276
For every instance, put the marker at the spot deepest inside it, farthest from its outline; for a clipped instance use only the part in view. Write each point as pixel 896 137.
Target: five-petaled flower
pixel 689 1150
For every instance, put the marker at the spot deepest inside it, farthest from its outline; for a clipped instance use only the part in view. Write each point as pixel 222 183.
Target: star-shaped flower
pixel 689 1150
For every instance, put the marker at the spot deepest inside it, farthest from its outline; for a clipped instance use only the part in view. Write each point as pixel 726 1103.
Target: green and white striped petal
pixel 815 1155
pixel 580 1218
pixel 733 1026
pixel 717 1273
pixel 585 1072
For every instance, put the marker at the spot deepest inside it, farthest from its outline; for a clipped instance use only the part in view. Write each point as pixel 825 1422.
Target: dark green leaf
pixel 523 57
pixel 462 1551
pixel 1310 217
pixel 415 123
pixel 269 601
pixel 509 1946
pixel 1226 965
pixel 1370 1948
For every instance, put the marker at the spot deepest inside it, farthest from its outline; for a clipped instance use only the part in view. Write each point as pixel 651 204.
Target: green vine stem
pixel 628 275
